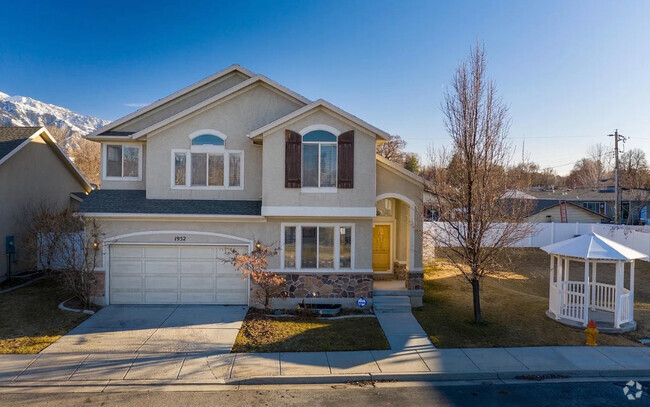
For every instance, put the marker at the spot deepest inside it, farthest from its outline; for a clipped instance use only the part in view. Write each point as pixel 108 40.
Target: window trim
pixel 210 150
pixel 337 245
pixel 140 147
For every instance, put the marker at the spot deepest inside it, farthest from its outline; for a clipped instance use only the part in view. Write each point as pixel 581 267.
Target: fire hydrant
pixel 592 333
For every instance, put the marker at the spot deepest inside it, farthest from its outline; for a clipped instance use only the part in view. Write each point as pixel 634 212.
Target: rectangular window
pixel 345 247
pixel 113 161
pixel 219 170
pixel 215 170
pixel 309 247
pixel 180 168
pixel 326 247
pixel 310 165
pixel 199 169
pixel 317 247
pixel 235 170
pixel 122 161
pixel 328 165
pixel 290 247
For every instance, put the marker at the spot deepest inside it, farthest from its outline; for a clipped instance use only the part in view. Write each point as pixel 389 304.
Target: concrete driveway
pixel 155 329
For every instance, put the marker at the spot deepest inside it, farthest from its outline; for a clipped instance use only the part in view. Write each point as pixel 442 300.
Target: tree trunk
pixel 477 301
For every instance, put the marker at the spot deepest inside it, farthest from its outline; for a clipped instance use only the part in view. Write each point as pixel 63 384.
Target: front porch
pixel 393 255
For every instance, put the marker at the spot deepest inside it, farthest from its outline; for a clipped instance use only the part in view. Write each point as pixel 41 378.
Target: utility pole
pixel 617 190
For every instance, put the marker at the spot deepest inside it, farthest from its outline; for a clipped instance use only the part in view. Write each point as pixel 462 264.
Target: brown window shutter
pixel 292 157
pixel 346 160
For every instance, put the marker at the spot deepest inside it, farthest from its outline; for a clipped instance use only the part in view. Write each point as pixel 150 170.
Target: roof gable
pixel 234 91
pixel 14 137
pixel 319 104
pixel 166 101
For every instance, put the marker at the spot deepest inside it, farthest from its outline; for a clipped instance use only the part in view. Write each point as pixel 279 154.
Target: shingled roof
pixel 12 137
pixel 135 202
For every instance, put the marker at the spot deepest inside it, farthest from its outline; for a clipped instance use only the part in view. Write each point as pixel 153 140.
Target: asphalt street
pixel 359 394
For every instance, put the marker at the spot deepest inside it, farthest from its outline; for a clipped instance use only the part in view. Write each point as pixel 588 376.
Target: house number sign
pixel 180 238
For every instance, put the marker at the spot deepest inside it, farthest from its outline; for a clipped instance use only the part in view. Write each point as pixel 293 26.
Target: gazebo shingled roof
pixel 592 246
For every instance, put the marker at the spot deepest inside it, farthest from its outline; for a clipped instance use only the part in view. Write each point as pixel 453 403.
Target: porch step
pixel 383 275
pixel 392 303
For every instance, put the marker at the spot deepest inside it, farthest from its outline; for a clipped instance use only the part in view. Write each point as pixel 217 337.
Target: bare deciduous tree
pixel 86 157
pixel 477 220
pixel 78 253
pixel 393 149
pixel 266 284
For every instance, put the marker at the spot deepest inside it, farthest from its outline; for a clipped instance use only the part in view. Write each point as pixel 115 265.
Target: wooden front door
pixel 381 247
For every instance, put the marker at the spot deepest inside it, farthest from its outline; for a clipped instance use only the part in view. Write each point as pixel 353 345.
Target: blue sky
pixel 571 72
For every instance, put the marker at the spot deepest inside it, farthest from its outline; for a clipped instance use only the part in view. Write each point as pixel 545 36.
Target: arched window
pixel 319 155
pixel 207 139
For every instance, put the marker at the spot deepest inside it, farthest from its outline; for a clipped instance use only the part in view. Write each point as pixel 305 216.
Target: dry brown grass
pixel 514 303
pixel 31 319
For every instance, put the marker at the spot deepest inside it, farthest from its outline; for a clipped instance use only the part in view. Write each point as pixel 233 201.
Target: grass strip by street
pixel 31 319
pixel 260 333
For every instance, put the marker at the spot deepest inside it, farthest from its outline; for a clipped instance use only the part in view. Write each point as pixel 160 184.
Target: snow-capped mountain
pixel 25 111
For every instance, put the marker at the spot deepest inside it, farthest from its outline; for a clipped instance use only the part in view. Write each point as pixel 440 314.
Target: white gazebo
pixel 611 306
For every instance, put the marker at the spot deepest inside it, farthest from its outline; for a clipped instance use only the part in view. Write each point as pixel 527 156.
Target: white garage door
pixel 141 274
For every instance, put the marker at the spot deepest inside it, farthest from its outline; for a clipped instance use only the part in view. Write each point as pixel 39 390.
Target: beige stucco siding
pixel 179 104
pixel 235 118
pixel 573 215
pixel 35 175
pixel 363 193
pixel 392 184
pixel 267 232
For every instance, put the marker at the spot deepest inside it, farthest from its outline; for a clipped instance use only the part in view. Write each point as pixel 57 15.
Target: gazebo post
pixel 617 294
pixel 632 289
pixel 593 281
pixel 586 298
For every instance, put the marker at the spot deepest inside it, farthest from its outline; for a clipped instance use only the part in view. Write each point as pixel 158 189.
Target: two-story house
pixel 237 159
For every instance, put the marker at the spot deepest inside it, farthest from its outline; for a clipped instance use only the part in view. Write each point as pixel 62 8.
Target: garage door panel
pixel 174 274
pixel 189 297
pixel 122 251
pixel 233 297
pixel 124 267
pixel 197 253
pixel 197 283
pixel 127 283
pixel 161 297
pixel 160 267
pixel 160 283
pixel 197 267
pixel 161 252
pixel 126 297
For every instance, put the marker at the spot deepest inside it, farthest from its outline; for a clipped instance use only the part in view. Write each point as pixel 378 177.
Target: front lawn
pixel 31 320
pixel 260 333
pixel 514 305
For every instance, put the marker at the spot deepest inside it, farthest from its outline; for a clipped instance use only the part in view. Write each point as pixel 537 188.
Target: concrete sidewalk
pixel 92 371
pixel 403 331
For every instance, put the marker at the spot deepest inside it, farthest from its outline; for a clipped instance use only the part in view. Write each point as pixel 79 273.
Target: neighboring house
pixel 549 210
pixel 237 159
pixel 33 171
pixel 634 202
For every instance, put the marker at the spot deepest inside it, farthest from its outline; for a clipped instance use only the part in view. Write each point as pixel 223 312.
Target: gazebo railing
pixel 572 300
pixel 627 307
pixel 602 297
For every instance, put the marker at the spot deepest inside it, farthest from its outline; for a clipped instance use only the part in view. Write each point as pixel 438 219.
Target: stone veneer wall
pixel 415 280
pixel 298 286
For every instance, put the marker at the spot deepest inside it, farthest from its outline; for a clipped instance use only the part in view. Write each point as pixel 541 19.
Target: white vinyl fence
pixel 634 237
